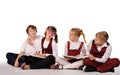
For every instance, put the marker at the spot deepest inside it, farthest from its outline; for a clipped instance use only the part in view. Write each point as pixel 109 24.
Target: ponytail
pixel 78 32
pixel 56 38
pixel 81 33
pixel 53 29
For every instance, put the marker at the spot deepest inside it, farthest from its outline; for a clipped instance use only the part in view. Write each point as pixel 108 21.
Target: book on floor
pixel 35 56
pixel 74 57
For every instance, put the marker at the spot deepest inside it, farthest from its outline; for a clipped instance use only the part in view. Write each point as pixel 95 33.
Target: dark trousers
pixel 11 57
pixel 102 67
pixel 43 63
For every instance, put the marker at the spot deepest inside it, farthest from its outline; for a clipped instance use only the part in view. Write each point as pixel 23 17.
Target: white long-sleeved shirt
pixel 106 54
pixel 54 47
pixel 75 45
pixel 31 49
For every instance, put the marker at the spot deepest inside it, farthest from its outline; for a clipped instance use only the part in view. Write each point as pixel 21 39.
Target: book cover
pixel 74 57
pixel 34 56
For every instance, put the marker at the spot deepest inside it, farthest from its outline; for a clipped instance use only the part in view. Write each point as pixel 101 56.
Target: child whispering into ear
pixel 48 49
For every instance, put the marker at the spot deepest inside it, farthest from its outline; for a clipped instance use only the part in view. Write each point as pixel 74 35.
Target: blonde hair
pixel 78 32
pixel 102 35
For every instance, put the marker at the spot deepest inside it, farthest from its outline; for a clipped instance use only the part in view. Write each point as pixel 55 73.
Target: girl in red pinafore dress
pixel 73 47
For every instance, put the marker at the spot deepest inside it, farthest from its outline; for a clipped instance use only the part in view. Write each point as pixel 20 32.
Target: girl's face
pixel 49 33
pixel 98 41
pixel 72 36
pixel 32 32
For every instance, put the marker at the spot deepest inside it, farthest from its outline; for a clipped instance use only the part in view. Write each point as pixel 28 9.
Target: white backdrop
pixel 90 15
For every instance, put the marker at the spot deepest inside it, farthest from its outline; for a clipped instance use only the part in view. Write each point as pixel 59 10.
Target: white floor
pixel 6 69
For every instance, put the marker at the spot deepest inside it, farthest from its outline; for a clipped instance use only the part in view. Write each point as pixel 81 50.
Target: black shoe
pixel 90 69
pixel 81 67
pixel 58 66
pixel 111 70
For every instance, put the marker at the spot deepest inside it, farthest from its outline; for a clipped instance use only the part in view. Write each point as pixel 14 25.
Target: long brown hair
pixel 53 30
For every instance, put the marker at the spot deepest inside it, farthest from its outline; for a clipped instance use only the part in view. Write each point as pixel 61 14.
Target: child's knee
pixel 8 55
pixel 85 61
pixel 57 58
pixel 116 61
pixel 50 57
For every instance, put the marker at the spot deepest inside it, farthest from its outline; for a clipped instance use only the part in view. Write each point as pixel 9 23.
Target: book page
pixel 80 57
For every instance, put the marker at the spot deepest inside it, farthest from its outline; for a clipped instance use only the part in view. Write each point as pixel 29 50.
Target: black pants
pixel 11 57
pixel 43 63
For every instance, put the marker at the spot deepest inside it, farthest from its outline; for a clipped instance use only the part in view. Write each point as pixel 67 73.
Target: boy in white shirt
pixel 48 49
pixel 17 59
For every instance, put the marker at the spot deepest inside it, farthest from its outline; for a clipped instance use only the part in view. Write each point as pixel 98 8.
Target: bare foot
pixel 52 66
pixel 25 67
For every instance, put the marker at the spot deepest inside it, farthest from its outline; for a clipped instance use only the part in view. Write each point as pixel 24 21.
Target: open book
pixel 74 57
pixel 35 56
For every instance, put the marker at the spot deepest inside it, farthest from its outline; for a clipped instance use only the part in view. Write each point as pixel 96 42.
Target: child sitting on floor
pixel 98 52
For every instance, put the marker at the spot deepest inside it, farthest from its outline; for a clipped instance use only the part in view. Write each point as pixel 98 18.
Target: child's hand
pixel 91 57
pixel 37 53
pixel 67 59
pixel 29 41
pixel 77 55
pixel 43 55
pixel 16 64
